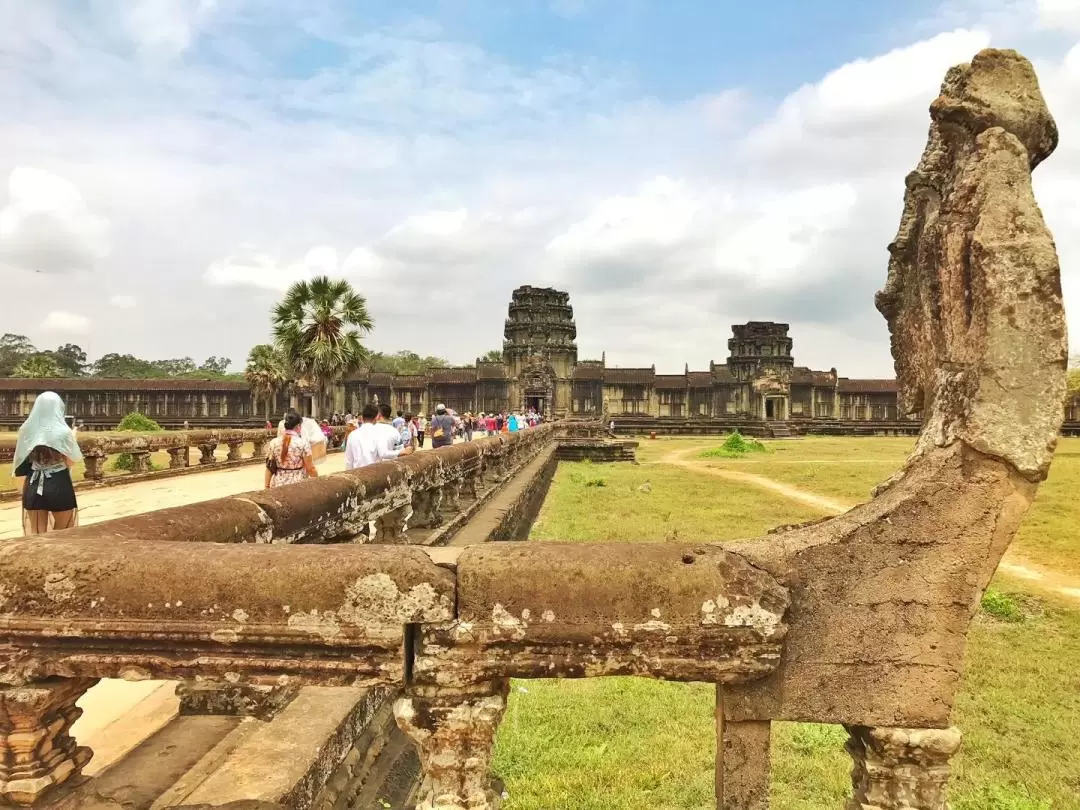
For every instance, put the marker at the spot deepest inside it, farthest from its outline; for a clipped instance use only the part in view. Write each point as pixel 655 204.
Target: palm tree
pixel 317 328
pixel 265 373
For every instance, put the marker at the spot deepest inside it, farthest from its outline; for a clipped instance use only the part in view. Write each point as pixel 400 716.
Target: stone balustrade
pixel 98 448
pixel 859 620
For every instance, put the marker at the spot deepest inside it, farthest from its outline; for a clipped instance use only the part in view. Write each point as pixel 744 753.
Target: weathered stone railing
pixel 860 620
pixel 178 444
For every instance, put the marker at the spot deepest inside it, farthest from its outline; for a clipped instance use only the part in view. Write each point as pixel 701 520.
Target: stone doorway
pixel 535 401
pixel 775 409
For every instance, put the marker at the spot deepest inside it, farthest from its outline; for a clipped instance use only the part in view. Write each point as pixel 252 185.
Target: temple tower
pixel 539 349
pixel 760 356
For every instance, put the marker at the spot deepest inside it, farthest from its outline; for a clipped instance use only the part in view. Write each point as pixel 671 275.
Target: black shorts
pixel 57 492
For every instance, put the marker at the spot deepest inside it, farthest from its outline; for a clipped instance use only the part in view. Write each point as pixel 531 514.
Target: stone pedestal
pixel 259 450
pixel 454 730
pixel 234 451
pixel 36 749
pixel 95 467
pixel 452 497
pixel 140 462
pixel 207 451
pixel 392 528
pixel 425 508
pixel 179 457
pixel 900 768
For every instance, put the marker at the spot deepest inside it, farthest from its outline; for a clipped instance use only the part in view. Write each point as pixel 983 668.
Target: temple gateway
pixel 758 382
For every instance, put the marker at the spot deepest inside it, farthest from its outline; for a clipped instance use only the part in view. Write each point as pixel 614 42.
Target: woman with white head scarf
pixel 45 452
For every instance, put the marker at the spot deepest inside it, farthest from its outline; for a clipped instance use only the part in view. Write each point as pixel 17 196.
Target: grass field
pixel 625 744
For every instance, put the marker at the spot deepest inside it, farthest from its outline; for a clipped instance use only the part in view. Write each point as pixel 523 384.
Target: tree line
pixel 317 328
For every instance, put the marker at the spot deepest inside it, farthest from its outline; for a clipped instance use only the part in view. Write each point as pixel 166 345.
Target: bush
pixel 134 423
pixel 735 446
pixel 137 423
pixel 1001 606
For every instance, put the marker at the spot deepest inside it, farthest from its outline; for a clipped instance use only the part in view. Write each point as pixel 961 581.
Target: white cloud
pixel 123 301
pixel 166 27
pixel 46 226
pixel 1059 14
pixel 60 321
pixel 423 167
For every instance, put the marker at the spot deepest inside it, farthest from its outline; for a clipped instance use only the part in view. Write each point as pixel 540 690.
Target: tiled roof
pixel 699 379
pixel 867 386
pixel 804 376
pixel 629 376
pixel 110 384
pixel 491 371
pixel 381 378
pixel 670 382
pixel 410 381
pixel 722 374
pixel 464 374
pixel 588 372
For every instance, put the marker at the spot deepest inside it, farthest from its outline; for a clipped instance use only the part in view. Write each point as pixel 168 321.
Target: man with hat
pixel 442 428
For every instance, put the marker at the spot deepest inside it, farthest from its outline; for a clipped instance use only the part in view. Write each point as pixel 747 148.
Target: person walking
pixel 442 428
pixel 470 425
pixel 45 451
pixel 421 429
pixel 288 456
pixel 368 444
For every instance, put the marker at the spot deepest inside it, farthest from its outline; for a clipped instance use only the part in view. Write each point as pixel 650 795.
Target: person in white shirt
pixel 385 423
pixel 368 444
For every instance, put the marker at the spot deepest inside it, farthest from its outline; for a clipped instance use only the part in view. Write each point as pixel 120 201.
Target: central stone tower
pixel 539 349
pixel 760 354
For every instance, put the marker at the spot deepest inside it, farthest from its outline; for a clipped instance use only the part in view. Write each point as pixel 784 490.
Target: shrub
pixel 735 446
pixel 1001 606
pixel 137 423
pixel 134 423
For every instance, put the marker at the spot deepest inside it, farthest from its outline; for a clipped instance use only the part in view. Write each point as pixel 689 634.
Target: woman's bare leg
pixel 38 520
pixel 63 520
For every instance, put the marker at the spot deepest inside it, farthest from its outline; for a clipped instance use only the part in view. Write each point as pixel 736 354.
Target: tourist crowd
pixel 378 435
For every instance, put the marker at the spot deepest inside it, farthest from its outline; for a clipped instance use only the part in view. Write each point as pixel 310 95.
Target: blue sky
pixel 679 166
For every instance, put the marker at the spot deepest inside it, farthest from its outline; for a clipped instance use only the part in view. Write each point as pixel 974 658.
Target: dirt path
pixel 1046 578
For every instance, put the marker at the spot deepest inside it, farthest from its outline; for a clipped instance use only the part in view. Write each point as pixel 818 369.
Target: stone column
pixel 742 761
pixel 36 749
pixel 95 467
pixel 393 527
pixel 179 457
pixel 454 730
pixel 207 450
pixel 140 462
pixel 234 450
pixel 426 505
pixel 452 496
pixel 259 448
pixel 900 768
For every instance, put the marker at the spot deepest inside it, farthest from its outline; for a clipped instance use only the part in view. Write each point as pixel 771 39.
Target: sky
pixel 677 166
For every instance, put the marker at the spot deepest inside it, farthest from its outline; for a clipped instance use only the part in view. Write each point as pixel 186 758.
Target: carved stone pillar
pixel 393 527
pixel 498 468
pixel 900 768
pixel 234 451
pixel 207 451
pixel 259 448
pixel 140 462
pixel 95 467
pixel 473 483
pixel 179 457
pixel 742 761
pixel 242 699
pixel 454 730
pixel 37 751
pixel 452 496
pixel 425 506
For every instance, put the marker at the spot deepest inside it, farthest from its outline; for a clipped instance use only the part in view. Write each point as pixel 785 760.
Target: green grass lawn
pixel 630 744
